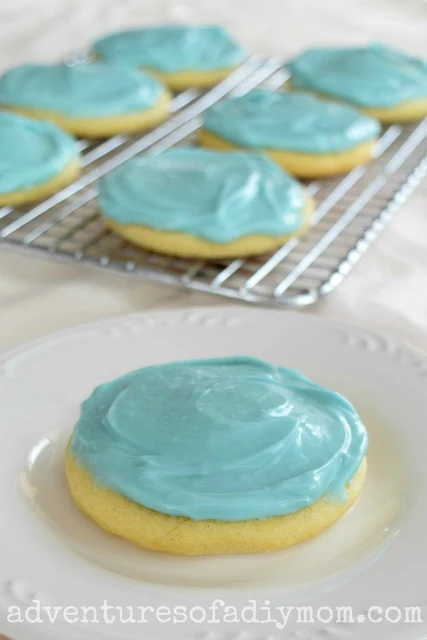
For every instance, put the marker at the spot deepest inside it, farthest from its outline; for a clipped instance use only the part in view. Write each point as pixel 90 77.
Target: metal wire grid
pixel 351 211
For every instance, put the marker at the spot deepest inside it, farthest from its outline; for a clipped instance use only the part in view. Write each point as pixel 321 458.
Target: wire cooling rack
pixel 351 210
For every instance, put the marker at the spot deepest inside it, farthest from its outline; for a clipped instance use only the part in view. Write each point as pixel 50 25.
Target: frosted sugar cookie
pixel 36 159
pixel 306 136
pixel 382 81
pixel 180 55
pixel 197 203
pixel 230 455
pixel 91 100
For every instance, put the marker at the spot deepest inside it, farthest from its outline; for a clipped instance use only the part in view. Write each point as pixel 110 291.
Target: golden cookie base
pixel 187 246
pixel 43 189
pixel 301 165
pixel 103 126
pixel 408 111
pixel 181 536
pixel 191 79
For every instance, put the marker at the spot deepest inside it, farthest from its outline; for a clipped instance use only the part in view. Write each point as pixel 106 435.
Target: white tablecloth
pixel 387 290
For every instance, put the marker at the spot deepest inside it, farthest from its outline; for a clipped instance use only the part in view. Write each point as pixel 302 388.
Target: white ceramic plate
pixel 375 556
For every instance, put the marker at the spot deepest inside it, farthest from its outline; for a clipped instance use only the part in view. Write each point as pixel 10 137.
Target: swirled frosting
pixel 216 196
pixel 289 121
pixel 81 90
pixel 223 439
pixel 373 76
pixel 172 48
pixel 31 151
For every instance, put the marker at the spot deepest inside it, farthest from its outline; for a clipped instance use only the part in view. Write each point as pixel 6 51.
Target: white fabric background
pixel 386 291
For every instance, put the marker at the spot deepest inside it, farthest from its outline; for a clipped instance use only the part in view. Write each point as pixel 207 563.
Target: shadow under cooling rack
pixel 351 210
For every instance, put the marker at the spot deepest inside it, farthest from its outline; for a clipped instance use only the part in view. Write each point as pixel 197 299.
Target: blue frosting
pixel 223 439
pixel 31 151
pixel 373 76
pixel 172 48
pixel 216 196
pixel 81 90
pixel 289 121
